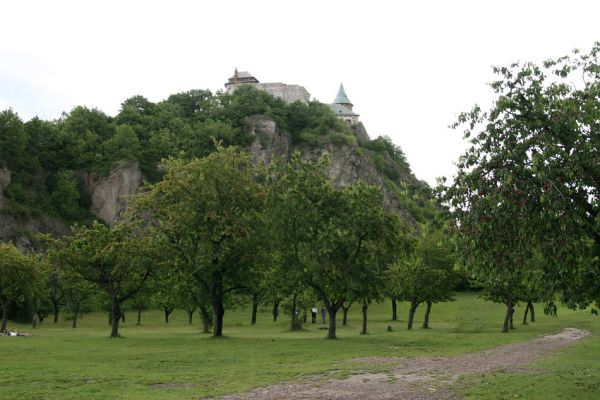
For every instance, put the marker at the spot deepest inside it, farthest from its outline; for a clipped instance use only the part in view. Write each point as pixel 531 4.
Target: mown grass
pixel 176 361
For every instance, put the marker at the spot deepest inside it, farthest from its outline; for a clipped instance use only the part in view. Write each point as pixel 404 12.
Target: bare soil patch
pixel 421 377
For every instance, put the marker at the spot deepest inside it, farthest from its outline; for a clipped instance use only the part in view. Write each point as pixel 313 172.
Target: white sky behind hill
pixel 408 67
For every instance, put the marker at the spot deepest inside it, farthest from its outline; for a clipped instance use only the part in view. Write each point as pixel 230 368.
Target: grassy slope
pixel 158 361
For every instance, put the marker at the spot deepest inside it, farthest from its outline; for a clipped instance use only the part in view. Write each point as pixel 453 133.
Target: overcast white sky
pixel 408 67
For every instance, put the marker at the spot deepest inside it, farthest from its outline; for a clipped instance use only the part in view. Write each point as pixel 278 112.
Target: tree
pixel 116 259
pixel 56 288
pixel 17 275
pixel 13 139
pixel 65 196
pixel 208 210
pixel 426 277
pixel 329 238
pixel 529 182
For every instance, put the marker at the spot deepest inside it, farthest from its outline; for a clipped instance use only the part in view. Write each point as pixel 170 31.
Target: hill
pixel 83 165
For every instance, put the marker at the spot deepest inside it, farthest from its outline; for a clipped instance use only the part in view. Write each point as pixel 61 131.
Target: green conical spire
pixel 341 97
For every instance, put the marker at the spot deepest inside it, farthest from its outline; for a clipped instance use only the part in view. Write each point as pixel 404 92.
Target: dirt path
pixel 421 377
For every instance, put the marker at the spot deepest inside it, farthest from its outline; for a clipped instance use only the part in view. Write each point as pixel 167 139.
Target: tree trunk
pixel 55 309
pixel 275 310
pixel 394 310
pixel 190 314
pixel 75 314
pixel 365 307
pixel 254 309
pixel 4 316
pixel 219 311
pixel 411 313
pixel 205 319
pixel 345 310
pixel 512 312
pixel 531 311
pixel 331 331
pixel 525 314
pixel 295 323
pixel 508 315
pixel 115 317
pixel 168 311
pixel 122 317
pixel 139 314
pixel 426 318
pixel 34 321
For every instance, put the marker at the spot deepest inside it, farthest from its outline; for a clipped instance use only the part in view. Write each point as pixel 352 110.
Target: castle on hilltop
pixel 341 106
pixel 287 93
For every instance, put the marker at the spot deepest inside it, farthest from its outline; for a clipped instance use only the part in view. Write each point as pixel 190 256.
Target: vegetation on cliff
pixel 45 157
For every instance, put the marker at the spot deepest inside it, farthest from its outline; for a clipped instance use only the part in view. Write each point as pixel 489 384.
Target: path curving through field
pixel 420 377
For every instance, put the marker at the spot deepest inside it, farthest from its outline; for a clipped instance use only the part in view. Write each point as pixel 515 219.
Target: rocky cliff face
pixel 347 163
pixel 109 193
pixel 108 197
pixel 22 233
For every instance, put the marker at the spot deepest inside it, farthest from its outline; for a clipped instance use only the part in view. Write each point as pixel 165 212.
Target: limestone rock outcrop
pixel 109 194
pixel 347 164
pixel 268 141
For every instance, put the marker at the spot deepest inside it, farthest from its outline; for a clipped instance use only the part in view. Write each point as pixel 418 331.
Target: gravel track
pixel 420 377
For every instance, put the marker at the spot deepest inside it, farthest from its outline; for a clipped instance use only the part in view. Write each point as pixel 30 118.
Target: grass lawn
pixel 176 361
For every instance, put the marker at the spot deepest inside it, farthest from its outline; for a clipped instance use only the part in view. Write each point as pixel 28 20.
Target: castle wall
pixel 287 93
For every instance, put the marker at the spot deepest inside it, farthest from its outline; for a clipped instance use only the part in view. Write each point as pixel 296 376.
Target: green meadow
pixel 158 361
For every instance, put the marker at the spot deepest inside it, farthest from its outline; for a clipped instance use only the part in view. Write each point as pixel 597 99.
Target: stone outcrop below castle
pixel 268 141
pixel 109 194
pixel 347 165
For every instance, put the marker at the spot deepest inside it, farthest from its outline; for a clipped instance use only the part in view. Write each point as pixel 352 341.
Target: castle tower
pixel 342 98
pixel 342 107
pixel 240 78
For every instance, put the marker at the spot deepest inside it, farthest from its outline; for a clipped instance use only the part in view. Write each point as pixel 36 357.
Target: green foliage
pixel 333 241
pixel 309 123
pixel 184 125
pixel 385 145
pixel 17 277
pixel 117 260
pixel 65 196
pixel 123 146
pixel 209 211
pixel 13 140
pixel 429 274
pixel 528 186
